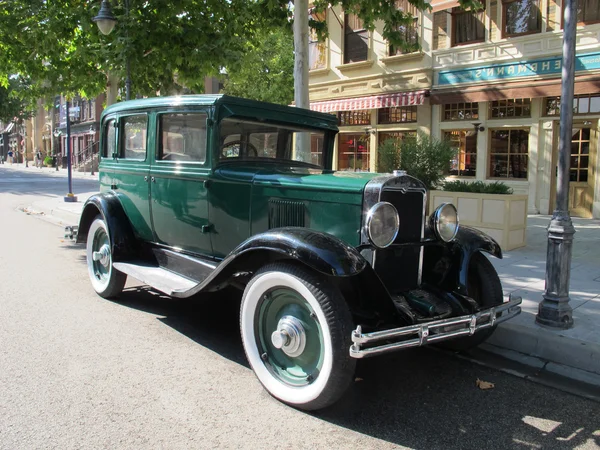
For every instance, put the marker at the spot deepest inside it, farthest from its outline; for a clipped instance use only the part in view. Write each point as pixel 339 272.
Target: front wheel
pixel 296 331
pixel 106 280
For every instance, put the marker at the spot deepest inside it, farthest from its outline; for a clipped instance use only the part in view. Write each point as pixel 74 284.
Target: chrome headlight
pixel 382 224
pixel 444 222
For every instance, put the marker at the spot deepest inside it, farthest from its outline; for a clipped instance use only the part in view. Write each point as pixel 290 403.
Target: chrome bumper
pixel 430 332
pixel 71 232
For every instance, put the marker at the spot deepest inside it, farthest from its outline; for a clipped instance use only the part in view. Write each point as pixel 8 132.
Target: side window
pixel 183 137
pixel 110 139
pixel 134 134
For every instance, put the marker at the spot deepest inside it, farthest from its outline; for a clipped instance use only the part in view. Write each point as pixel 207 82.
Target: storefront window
pixel 588 11
pixel 316 149
pixel 400 114
pixel 356 117
pixel 353 152
pixel 409 32
pixel 509 154
pixel 461 111
pixel 511 107
pixel 465 162
pixel 582 104
pixel 356 40
pixel 317 51
pixel 467 26
pixel 521 17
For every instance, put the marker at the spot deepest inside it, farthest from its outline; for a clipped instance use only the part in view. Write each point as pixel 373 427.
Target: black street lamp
pixel 106 22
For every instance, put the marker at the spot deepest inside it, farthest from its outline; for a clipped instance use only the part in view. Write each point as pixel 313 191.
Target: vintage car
pixel 203 192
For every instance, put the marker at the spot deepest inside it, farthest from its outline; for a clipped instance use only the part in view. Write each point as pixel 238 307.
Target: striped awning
pixel 373 102
pixel 9 128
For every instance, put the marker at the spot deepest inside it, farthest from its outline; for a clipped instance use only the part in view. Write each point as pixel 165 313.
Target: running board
pixel 162 280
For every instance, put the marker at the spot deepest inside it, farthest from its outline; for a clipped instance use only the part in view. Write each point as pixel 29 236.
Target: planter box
pixel 503 217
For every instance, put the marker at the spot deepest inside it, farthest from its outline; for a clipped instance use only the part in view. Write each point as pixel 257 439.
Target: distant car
pixel 202 192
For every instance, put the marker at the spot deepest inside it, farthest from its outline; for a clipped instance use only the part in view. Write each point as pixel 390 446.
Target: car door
pixel 179 179
pixel 130 168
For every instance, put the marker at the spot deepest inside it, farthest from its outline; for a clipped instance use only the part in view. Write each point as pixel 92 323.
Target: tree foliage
pixel 15 104
pixel 266 71
pixel 60 49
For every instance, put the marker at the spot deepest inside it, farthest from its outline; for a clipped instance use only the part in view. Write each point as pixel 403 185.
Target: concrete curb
pixel 548 346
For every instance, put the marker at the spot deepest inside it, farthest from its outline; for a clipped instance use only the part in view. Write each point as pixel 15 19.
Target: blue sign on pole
pixel 508 71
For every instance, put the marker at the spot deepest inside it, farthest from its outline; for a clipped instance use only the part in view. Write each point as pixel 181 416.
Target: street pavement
pixel 77 371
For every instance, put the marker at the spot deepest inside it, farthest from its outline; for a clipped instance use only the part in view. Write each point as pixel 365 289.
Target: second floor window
pixel 409 32
pixel 510 107
pixel 467 26
pixel 356 40
pixel 354 117
pixel 521 17
pixel 316 50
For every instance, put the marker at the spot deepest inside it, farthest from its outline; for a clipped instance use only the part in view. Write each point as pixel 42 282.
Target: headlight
pixel 382 224
pixel 444 222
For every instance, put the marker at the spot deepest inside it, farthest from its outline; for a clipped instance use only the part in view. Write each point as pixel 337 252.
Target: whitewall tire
pixel 106 280
pixel 296 331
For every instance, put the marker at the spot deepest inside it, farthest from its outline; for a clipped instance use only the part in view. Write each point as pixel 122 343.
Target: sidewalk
pixel 573 353
pixel 576 352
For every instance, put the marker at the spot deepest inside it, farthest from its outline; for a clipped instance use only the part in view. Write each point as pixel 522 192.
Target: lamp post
pixel 554 310
pixel 70 197
pixel 106 22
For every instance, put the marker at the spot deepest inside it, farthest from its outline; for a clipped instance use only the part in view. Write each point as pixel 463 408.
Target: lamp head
pixel 105 19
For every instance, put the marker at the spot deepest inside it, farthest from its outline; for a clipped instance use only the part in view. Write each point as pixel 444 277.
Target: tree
pixel 266 69
pixel 58 48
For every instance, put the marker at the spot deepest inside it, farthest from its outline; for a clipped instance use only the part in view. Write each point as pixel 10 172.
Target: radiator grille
pixel 284 213
pixel 399 267
pixel 410 209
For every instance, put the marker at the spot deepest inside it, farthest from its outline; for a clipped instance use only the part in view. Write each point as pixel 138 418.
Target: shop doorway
pixel 582 172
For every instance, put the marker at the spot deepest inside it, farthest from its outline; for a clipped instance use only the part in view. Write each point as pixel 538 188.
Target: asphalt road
pixel 77 371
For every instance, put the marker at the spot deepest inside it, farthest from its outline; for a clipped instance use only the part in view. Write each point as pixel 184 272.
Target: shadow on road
pixel 419 398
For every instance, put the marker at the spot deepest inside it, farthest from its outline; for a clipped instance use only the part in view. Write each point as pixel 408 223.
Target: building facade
pixel 488 80
pixel 85 128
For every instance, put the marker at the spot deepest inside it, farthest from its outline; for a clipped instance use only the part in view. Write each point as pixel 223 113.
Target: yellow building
pixel 488 80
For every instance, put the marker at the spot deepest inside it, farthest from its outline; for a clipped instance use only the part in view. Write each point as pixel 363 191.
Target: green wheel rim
pixel 101 271
pixel 304 368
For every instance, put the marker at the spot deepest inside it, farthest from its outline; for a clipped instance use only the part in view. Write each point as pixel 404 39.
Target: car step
pixel 161 279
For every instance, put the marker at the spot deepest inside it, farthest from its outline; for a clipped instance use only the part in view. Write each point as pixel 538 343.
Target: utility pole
pixel 554 310
pixel 301 73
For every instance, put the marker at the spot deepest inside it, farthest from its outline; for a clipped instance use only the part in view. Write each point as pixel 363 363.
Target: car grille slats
pixel 410 209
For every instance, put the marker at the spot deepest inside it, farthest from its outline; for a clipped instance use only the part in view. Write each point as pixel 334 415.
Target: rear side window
pixel 134 136
pixel 110 139
pixel 182 137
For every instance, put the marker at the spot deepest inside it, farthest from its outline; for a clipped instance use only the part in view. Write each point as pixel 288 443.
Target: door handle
pixel 145 178
pixel 153 179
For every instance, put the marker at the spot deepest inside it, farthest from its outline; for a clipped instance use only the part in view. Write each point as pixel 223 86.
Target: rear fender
pixel 124 244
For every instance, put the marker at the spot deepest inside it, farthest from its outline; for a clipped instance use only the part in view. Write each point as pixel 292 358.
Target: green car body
pixel 202 192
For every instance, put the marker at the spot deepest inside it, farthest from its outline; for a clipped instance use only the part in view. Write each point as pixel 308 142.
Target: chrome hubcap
pixel 290 336
pixel 103 255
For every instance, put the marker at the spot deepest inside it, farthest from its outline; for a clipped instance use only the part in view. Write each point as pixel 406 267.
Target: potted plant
pixel 491 207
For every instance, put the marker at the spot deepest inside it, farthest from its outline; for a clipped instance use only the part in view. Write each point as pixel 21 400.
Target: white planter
pixel 503 217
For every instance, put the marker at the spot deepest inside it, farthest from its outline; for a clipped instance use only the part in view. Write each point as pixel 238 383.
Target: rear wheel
pixel 296 331
pixel 106 280
pixel 485 288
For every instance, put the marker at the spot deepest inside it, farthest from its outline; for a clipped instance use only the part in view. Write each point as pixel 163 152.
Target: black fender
pixel 319 251
pixel 468 241
pixel 124 244
pixel 342 264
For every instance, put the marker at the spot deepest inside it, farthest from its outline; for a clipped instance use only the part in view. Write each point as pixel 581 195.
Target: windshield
pixel 246 140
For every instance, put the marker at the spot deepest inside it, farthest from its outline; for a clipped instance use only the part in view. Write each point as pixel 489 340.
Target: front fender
pixel 468 241
pixel 123 242
pixel 320 251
